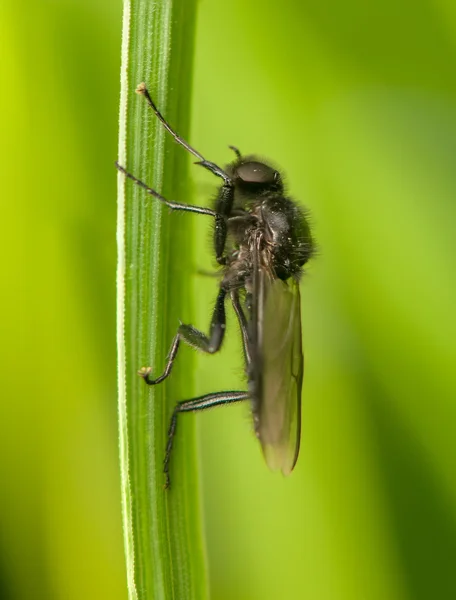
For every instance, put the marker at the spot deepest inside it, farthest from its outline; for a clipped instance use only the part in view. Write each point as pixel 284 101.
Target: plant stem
pixel 162 528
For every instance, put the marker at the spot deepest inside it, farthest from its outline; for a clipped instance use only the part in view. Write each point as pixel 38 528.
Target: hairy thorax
pixel 275 226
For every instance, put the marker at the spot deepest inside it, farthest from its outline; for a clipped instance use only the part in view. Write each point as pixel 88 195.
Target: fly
pixel 261 240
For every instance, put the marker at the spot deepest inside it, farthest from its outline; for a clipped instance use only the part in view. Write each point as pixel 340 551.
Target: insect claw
pixel 141 89
pixel 144 372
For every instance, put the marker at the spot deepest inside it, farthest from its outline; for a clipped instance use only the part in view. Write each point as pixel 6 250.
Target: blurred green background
pixel 357 103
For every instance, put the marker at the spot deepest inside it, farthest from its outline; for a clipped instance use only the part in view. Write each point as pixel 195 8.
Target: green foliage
pixel 356 103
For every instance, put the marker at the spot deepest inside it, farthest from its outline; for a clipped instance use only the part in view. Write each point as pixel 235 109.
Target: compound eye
pixel 256 172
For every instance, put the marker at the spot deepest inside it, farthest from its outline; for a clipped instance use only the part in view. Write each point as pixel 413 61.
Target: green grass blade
pixel 162 528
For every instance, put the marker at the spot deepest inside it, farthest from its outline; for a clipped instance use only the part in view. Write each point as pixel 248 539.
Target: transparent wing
pixel 281 368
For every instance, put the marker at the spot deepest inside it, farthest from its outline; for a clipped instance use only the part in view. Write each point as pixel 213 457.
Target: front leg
pixel 223 209
pixel 195 338
pixel 224 203
pixel 201 210
pixel 206 164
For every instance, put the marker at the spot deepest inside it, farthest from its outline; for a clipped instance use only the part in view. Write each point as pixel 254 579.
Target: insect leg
pixel 200 403
pixel 220 231
pixel 194 337
pixel 226 195
pixel 212 167
pixel 223 208
pixel 242 324
pixel 143 91
pixel 173 205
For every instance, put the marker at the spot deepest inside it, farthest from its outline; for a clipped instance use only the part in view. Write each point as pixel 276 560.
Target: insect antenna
pixel 236 151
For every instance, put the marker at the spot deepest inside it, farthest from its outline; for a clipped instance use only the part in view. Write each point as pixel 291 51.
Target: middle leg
pixel 195 338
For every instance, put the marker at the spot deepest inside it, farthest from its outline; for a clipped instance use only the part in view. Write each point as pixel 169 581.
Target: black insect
pixel 261 241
